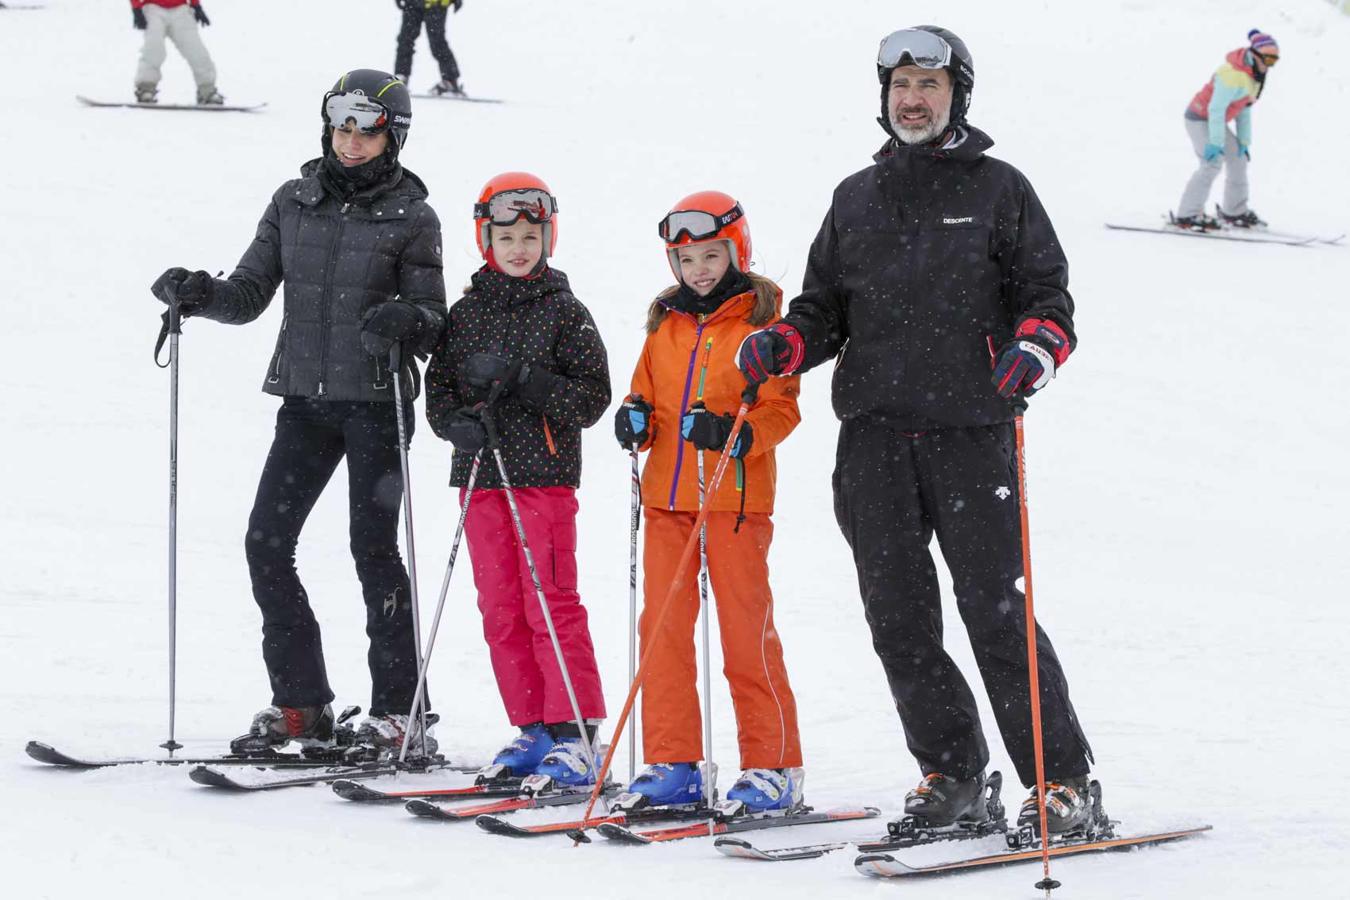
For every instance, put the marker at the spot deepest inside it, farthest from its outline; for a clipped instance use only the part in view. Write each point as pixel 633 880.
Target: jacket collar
pixel 496 286
pixel 969 143
pixel 390 199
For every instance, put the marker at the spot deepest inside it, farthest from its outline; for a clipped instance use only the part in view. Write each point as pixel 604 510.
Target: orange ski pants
pixel 738 568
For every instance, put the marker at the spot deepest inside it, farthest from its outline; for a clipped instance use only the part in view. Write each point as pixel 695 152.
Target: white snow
pixel 1187 469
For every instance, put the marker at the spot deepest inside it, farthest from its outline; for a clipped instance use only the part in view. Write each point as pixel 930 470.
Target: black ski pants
pixel 312 437
pixel 893 491
pixel 414 14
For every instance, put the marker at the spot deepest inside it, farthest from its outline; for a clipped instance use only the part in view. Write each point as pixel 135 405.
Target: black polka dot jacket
pixel 539 322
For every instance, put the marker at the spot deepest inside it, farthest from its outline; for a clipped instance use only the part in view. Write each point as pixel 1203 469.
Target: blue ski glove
pixel 709 431
pixel 633 423
pixel 1245 151
pixel 1212 152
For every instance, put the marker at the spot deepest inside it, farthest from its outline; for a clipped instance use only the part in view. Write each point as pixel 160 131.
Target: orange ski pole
pixel 1047 883
pixel 747 398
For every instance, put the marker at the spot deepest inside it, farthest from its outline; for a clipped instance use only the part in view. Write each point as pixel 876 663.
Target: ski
pixel 1248 236
pixel 198 107
pixel 750 822
pixel 462 98
pixel 424 809
pixel 360 793
pixel 576 827
pixel 209 777
pixel 45 753
pixel 739 848
pixel 882 865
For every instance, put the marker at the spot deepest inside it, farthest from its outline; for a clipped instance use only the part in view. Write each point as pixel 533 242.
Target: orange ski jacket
pixel 684 361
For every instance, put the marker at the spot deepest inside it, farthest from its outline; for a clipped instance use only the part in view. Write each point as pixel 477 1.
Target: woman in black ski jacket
pixel 359 251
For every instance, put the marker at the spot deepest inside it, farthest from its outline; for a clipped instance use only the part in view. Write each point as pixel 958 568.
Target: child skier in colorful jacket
pixel 685 390
pixel 521 340
pixel 1228 97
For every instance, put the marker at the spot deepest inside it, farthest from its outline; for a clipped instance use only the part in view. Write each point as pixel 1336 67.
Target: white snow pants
pixel 179 26
pixel 1232 162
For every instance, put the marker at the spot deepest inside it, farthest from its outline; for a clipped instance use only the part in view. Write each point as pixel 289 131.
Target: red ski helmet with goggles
pixel 707 216
pixel 508 197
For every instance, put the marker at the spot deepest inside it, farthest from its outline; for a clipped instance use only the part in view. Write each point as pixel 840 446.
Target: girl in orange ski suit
pixel 690 357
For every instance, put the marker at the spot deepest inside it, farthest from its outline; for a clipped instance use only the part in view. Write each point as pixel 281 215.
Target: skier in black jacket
pixel 359 251
pixel 938 283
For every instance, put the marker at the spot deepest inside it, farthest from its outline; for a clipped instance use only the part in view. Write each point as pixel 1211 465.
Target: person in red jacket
pixel 177 20
pixel 685 388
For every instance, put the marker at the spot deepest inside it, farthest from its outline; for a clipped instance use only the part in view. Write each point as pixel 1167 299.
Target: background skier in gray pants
pixel 178 21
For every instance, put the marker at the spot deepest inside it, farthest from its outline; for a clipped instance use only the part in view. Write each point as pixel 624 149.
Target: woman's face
pixel 703 265
pixel 354 148
pixel 517 248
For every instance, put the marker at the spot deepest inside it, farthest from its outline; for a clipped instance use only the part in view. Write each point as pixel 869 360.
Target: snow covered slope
pixel 1187 471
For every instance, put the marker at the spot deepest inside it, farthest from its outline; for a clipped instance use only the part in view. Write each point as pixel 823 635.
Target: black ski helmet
pixel 960 65
pixel 380 87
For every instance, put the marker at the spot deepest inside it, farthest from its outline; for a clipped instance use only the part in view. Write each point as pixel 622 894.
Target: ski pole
pixel 490 425
pixel 634 520
pixel 396 369
pixel 173 325
pixel 440 604
pixel 710 781
pixel 747 398
pixel 1047 883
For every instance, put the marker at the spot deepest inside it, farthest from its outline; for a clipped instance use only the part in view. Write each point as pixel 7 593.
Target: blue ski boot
pixel 567 763
pixel 521 757
pixel 663 784
pixel 767 790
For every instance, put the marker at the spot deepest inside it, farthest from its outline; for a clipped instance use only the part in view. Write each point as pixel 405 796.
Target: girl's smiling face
pixel 517 248
pixel 702 265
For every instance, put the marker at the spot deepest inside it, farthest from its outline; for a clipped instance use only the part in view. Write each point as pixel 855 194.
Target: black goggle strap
pixel 696 224
pixel 925 49
pixel 507 207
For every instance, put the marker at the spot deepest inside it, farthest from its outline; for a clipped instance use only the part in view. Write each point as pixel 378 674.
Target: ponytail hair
pixel 768 297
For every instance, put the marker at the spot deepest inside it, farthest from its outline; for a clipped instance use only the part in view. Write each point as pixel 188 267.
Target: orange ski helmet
pixel 507 197
pixel 707 216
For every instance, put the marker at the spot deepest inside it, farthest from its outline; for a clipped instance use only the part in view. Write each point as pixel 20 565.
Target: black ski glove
pixel 138 19
pixel 458 4
pixel 466 431
pixel 484 370
pixel 192 291
pixel 200 15
pixel 401 4
pixel 633 423
pixel 709 431
pixel 388 323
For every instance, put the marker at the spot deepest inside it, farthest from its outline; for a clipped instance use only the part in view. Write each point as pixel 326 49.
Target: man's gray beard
pixel 912 136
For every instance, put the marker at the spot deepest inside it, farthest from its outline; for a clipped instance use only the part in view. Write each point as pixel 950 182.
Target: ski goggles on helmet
pixel 696 224
pixel 507 207
pixel 341 109
pixel 925 49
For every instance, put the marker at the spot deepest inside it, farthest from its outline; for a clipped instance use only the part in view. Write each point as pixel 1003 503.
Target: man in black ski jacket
pixel 938 284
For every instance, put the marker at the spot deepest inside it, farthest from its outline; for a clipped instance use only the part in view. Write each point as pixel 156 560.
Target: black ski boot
pixel 1073 808
pixel 312 727
pixel 381 737
pixel 1248 219
pixel 940 801
pixel 446 87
